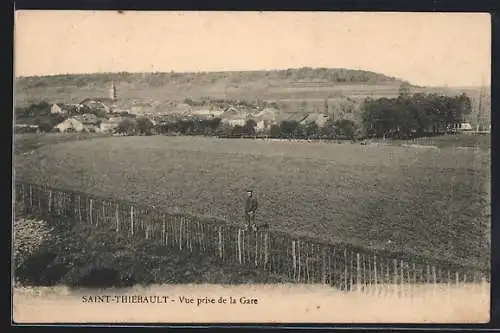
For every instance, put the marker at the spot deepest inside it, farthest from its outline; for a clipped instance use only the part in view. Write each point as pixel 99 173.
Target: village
pixel 106 114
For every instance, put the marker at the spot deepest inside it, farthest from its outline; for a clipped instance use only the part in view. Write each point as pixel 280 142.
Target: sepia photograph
pixel 251 167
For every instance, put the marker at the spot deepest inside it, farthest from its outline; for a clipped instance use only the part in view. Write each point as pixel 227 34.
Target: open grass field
pixel 429 202
pixel 27 142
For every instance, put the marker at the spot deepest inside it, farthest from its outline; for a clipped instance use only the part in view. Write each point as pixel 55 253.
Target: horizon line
pixel 251 70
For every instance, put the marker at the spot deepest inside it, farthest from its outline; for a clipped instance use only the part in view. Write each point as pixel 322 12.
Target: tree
pixel 127 126
pixel 311 130
pixel 275 131
pixel 347 128
pixel 238 131
pixel 223 130
pixel 404 90
pixel 249 127
pixel 329 129
pixel 144 126
pixel 288 128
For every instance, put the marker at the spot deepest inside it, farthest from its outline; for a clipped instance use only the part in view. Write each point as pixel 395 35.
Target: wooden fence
pixel 302 260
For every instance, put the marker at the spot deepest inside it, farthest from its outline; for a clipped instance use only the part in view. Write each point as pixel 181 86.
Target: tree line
pixel 287 129
pixel 413 115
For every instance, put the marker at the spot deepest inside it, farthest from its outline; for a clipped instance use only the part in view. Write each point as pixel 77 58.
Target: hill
pixel 273 84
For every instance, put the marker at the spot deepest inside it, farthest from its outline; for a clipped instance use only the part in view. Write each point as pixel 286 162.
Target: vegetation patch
pixel 85 256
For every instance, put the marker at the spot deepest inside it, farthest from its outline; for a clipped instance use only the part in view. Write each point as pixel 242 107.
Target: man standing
pixel 250 208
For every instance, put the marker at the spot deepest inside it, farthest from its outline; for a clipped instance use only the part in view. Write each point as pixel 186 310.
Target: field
pixel 429 202
pixel 28 142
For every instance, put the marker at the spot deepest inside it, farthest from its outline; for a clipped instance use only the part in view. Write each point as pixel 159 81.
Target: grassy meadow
pixel 426 201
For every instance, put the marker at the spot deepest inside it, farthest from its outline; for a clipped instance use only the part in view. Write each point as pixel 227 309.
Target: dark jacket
pixel 251 205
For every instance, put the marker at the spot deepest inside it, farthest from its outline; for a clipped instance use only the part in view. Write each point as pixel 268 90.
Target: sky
pixel 429 49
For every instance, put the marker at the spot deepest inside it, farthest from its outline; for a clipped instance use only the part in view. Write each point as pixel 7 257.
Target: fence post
pixel 256 248
pixel 395 262
pixel 146 223
pixel 345 269
pixel 358 273
pixel 117 216
pixel 323 265
pixel 220 241
pixel 330 269
pixel 351 274
pixel 90 211
pixel 163 231
pixel 181 224
pixel 370 274
pixel 132 220
pixel 239 246
pixel 299 248
pixel 363 281
pixel 402 278
pixel 80 207
pixel 294 260
pixel 23 197
pixel 306 262
pixel 434 279
pixel 50 202
pixel 266 248
pixel 375 282
pixel 31 198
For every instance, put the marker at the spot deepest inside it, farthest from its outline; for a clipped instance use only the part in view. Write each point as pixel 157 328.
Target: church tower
pixel 112 92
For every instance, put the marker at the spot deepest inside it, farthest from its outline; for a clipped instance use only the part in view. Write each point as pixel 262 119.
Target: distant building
pixel 56 109
pixel 112 92
pixel 64 109
pixel 208 113
pixel 97 104
pixel 108 126
pixel 88 119
pixel 265 119
pixel 318 118
pixel 70 125
pixel 234 117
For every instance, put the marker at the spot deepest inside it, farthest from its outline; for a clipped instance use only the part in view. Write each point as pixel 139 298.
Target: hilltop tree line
pixel 339 75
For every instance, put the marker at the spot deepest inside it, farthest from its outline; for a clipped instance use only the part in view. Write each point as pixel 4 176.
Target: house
pixel 64 109
pixel 57 109
pixel 181 108
pixel 464 126
pixel 88 119
pixel 26 128
pixel 234 117
pixel 208 113
pixel 108 126
pixel 70 125
pixel 98 104
pixel 265 119
pixel 318 118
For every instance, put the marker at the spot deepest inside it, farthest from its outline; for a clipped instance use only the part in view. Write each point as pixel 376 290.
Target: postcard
pixel 251 167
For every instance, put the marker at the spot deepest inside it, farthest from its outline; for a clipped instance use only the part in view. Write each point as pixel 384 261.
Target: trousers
pixel 250 217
